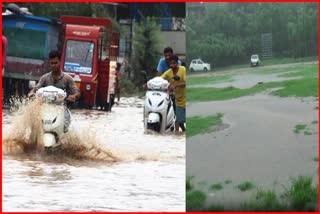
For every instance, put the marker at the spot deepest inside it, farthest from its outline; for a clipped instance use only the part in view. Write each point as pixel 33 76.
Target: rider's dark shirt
pixel 65 82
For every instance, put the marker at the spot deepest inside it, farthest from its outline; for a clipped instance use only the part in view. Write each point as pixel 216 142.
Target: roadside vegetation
pixel 300 195
pixel 306 129
pixel 229 33
pixel 198 125
pixel 305 86
pixel 245 186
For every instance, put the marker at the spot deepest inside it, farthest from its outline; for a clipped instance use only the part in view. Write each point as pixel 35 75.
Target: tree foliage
pixel 55 10
pixel 146 45
pixel 229 33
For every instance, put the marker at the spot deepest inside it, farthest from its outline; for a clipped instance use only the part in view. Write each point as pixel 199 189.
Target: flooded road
pixel 259 145
pixel 147 175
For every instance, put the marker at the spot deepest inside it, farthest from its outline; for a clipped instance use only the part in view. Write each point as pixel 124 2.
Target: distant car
pixel 199 65
pixel 255 61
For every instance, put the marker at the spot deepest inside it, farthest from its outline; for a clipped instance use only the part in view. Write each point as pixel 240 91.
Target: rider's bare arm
pixel 73 90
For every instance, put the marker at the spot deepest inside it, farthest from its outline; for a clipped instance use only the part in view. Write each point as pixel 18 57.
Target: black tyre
pixel 205 69
pixel 154 127
pixel 191 70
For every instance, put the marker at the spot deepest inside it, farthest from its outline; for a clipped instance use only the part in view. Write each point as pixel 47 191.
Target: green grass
pixel 299 128
pixel 276 61
pixel 314 122
pixel 208 79
pixel 216 187
pixel 245 186
pixel 302 195
pixel 189 185
pixel 316 159
pixel 305 71
pixel 304 87
pixel 195 200
pixel 307 132
pixel 228 181
pixel 198 125
pixel 215 208
pixel 264 201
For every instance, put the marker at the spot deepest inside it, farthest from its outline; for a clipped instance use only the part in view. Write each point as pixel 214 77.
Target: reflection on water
pixel 115 166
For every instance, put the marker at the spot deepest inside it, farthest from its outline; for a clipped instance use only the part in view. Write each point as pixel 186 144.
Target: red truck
pixel 89 54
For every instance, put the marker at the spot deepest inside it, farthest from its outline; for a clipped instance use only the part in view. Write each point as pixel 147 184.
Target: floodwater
pixel 258 145
pixel 108 164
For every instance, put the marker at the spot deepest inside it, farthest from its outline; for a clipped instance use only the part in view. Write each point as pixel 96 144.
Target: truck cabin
pixel 83 44
pixel 89 55
pixel 79 55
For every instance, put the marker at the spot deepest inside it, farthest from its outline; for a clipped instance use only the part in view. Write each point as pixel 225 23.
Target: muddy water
pixel 259 146
pixel 133 170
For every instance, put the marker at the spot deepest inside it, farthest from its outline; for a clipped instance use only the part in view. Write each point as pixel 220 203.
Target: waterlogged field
pixel 256 148
pixel 107 163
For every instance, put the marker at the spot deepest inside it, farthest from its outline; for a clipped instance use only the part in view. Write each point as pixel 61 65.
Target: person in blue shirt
pixel 163 64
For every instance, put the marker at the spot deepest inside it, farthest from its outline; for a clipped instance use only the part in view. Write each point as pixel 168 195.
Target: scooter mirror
pixel 32 84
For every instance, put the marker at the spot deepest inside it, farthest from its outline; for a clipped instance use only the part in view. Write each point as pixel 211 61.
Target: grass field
pixel 306 86
pixel 197 125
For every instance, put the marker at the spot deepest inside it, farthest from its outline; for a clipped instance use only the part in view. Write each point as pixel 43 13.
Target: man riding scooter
pixel 60 80
pixel 176 75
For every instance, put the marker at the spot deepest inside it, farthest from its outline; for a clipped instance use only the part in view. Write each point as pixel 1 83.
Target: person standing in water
pixel 176 75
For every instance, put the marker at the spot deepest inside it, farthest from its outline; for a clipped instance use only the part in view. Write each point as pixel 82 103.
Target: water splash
pixel 25 137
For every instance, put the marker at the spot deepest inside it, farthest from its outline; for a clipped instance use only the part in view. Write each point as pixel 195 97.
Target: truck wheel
pixel 191 70
pixel 205 69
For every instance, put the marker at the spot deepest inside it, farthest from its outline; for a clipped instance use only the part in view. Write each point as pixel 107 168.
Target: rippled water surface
pixel 145 172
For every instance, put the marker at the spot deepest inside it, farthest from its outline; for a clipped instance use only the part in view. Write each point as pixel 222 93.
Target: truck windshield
pixel 79 57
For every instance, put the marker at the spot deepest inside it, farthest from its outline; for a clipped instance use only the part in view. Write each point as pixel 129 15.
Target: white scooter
pixel 53 116
pixel 159 114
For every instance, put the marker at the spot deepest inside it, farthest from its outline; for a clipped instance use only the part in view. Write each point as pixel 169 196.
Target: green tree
pixel 146 45
pixel 228 33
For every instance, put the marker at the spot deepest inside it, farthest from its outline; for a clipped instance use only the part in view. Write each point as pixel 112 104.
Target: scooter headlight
pixel 88 87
